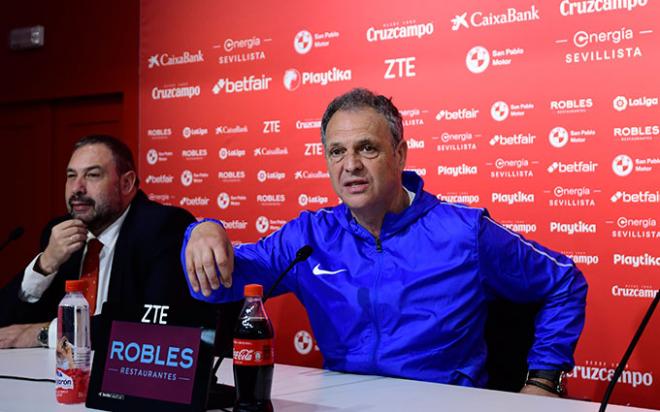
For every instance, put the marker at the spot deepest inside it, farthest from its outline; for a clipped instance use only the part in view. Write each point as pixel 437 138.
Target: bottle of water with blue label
pixel 73 350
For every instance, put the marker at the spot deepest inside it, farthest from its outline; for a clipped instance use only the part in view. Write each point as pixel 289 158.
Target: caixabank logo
pixel 172 59
pixel 481 19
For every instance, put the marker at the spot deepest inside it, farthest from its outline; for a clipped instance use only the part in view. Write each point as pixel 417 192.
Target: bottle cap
pixel 75 285
pixel 254 290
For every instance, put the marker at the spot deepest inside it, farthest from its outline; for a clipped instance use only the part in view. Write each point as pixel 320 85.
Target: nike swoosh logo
pixel 318 271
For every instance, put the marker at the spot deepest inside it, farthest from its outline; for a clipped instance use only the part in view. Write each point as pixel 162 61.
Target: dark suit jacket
pixel 145 268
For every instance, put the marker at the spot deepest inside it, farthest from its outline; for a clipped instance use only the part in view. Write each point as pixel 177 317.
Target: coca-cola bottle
pixel 253 354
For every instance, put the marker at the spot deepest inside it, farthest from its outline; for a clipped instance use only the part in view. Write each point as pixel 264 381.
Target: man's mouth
pixel 356 186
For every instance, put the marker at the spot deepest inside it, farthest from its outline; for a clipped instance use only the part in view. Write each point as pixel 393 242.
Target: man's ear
pixel 127 182
pixel 402 152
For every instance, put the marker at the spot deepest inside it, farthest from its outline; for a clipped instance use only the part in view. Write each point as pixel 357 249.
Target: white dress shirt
pixel 35 284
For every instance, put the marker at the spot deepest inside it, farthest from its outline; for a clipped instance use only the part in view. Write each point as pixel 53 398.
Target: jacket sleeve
pixel 523 271
pixel 259 262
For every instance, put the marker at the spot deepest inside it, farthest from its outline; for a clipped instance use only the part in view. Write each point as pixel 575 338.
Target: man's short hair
pixel 120 151
pixel 361 98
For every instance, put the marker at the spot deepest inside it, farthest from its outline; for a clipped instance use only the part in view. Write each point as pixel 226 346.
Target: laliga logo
pixel 291 79
pixel 303 42
pixel 262 224
pixel 477 59
pixel 186 178
pixel 499 111
pixel 152 156
pixel 620 103
pixel 303 342
pixel 558 137
pixel 223 200
pixel 622 165
pixel 262 176
pixel 303 200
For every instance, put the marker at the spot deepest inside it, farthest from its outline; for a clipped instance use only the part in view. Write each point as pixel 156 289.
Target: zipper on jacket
pixel 379 246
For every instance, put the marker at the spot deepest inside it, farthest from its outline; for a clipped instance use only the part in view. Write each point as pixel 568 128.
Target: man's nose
pixel 79 185
pixel 353 162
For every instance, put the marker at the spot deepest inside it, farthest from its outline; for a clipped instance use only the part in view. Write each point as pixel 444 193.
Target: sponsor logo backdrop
pixel 545 113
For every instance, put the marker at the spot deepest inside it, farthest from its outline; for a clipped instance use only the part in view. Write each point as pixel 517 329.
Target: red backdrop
pixel 546 114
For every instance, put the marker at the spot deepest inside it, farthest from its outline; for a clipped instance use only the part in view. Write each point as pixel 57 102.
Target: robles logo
pixel 571 106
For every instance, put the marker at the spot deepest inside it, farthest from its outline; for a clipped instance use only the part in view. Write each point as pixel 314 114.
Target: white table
pixel 300 389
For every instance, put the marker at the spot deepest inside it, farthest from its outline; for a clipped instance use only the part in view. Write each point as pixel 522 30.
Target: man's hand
pixel 65 238
pixel 21 336
pixel 535 390
pixel 208 251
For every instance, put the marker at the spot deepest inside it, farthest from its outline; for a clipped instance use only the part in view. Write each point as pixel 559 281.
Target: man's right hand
pixel 209 251
pixel 65 239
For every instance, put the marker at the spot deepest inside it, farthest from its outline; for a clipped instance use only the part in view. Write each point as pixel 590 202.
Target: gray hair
pixel 361 98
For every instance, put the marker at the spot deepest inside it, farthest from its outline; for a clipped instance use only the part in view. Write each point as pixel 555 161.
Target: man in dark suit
pixel 139 247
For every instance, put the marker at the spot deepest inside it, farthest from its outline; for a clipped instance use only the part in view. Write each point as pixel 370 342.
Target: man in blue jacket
pixel 399 282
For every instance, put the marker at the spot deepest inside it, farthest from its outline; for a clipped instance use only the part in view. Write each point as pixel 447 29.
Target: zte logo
pixel 313 149
pixel 271 126
pixel 400 67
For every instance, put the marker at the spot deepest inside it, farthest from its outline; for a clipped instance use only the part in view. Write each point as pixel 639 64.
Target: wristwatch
pixel 557 377
pixel 42 337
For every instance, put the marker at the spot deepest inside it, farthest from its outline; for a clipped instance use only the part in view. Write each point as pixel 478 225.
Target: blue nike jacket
pixel 413 303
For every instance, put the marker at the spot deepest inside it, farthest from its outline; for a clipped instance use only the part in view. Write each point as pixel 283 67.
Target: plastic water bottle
pixel 73 350
pixel 254 355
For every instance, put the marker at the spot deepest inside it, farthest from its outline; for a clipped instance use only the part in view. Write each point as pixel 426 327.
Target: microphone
pixel 626 356
pixel 302 254
pixel 13 235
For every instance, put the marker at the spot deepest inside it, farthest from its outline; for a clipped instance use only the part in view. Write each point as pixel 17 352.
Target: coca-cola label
pixel 254 352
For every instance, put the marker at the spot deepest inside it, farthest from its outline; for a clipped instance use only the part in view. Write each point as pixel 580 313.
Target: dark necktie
pixel 90 272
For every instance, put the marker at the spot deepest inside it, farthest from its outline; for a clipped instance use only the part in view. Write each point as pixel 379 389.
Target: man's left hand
pixel 21 336
pixel 535 390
